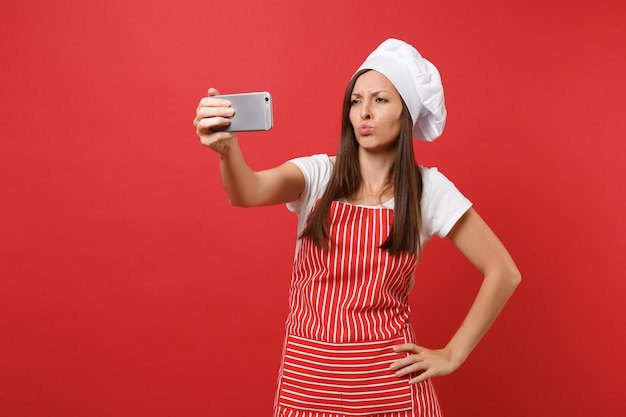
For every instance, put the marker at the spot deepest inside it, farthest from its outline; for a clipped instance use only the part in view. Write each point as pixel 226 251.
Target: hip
pixel 347 378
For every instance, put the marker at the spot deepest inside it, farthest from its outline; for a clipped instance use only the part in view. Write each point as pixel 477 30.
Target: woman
pixel 364 217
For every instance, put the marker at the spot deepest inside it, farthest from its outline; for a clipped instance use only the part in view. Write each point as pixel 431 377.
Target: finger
pixel 417 366
pixel 212 91
pixel 211 125
pixel 206 112
pixel 407 347
pixel 407 361
pixel 420 378
pixel 213 102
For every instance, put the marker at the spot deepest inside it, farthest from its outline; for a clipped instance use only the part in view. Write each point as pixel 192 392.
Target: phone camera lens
pixel 267 99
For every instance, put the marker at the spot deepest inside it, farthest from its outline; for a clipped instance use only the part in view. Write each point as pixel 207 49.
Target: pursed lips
pixel 365 129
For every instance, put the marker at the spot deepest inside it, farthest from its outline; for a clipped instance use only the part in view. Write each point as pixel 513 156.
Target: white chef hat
pixel 417 81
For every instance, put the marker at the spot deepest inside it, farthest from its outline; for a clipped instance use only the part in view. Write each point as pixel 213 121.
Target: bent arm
pixel 247 188
pixel 473 237
pixel 243 186
pixel 479 244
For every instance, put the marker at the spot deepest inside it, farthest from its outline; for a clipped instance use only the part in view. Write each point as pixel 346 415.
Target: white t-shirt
pixel 442 203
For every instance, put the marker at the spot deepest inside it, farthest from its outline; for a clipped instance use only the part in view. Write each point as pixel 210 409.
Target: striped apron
pixel 348 308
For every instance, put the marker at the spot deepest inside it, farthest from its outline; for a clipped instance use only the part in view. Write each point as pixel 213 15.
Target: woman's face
pixel 375 112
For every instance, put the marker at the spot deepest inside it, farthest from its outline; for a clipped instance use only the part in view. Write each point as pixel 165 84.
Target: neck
pixel 376 186
pixel 375 168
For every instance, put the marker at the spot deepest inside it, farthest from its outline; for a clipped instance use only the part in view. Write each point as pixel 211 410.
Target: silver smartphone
pixel 253 112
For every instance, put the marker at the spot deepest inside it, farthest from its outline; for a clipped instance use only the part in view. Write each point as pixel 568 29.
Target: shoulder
pixel 434 182
pixel 315 168
pixel 442 203
pixel 318 162
pixel 432 175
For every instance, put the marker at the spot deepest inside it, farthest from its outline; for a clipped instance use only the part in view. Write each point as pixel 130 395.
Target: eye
pixel 381 100
pixel 355 101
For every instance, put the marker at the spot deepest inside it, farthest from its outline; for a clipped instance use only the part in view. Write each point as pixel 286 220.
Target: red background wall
pixel 130 287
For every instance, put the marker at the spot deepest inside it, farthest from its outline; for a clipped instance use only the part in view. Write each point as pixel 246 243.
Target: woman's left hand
pixel 424 363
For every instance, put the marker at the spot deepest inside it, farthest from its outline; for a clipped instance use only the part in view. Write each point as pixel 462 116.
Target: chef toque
pixel 417 81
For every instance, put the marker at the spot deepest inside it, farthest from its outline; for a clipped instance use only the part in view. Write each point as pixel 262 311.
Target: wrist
pixel 456 355
pixel 225 148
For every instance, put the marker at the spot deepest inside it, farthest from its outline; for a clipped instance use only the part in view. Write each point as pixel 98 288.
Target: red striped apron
pixel 348 308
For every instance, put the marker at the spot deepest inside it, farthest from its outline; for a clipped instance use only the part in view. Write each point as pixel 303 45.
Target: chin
pixel 378 148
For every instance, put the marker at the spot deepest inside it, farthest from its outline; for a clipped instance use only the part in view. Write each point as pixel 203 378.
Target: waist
pixel 341 326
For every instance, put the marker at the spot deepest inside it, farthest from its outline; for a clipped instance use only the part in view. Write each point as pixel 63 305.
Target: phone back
pixel 253 111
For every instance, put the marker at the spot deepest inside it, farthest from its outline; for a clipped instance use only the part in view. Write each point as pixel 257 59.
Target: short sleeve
pixel 442 204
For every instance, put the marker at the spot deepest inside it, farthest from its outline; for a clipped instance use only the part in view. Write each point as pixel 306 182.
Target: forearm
pixel 496 289
pixel 238 179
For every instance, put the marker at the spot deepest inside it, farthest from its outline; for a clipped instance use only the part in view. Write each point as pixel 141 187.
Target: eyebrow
pixel 374 93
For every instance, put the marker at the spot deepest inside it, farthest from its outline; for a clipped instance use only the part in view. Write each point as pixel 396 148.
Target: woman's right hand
pixel 211 115
pixel 243 186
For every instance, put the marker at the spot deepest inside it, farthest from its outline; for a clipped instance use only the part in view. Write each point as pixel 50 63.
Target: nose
pixel 365 112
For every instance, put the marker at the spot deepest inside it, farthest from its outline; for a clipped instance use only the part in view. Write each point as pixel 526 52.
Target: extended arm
pixel 483 249
pixel 243 186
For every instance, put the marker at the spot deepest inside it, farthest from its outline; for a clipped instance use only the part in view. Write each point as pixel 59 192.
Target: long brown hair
pixel 345 180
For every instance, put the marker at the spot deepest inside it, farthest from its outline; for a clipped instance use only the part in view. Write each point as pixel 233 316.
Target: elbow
pixel 517 279
pixel 238 203
pixel 237 199
pixel 507 276
pixel 514 277
pixel 242 201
